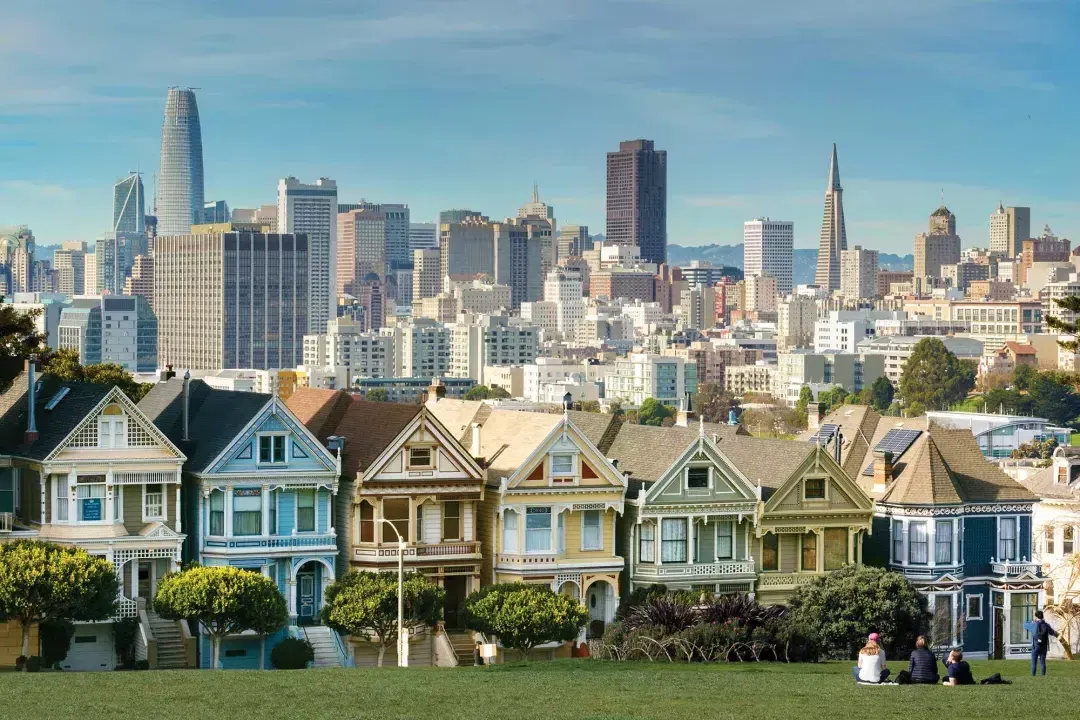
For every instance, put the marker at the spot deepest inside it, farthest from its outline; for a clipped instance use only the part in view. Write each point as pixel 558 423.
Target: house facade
pixel 83 466
pixel 259 491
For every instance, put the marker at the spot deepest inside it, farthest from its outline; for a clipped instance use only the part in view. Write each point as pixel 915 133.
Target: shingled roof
pixel 53 426
pixel 765 461
pixel 646 452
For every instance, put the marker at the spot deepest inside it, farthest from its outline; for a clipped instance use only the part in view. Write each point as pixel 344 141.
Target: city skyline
pixel 71 127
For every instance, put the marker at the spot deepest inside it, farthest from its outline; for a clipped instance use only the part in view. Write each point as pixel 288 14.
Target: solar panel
pixel 896 441
pixel 825 433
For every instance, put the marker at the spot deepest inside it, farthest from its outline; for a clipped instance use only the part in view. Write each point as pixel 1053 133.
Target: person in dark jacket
pixel 1040 641
pixel 959 670
pixel 923 666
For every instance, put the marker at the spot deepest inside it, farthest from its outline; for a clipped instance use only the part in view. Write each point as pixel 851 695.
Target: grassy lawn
pixel 565 689
pixel 1074 439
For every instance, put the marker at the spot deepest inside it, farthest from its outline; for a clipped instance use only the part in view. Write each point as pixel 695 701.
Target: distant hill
pixel 805 259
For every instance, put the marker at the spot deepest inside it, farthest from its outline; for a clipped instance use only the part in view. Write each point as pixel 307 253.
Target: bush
pixel 838 610
pixel 142 664
pixel 671 613
pixel 524 616
pixel 292 654
pixel 20 663
pixel 124 633
pixel 33 663
pixel 55 636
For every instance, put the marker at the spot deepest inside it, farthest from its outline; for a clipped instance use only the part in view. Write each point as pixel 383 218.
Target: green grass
pixel 1074 439
pixel 564 689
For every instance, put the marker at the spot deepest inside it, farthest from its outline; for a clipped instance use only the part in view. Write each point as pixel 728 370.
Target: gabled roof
pixel 563 428
pixel 368 427
pixel 1043 484
pixel 765 461
pixel 215 417
pixel 1020 348
pixel 646 452
pixel 53 426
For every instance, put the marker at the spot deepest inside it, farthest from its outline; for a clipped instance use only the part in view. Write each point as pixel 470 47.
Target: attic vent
pixel 55 399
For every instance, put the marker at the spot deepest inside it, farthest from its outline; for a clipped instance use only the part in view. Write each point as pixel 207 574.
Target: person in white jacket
pixel 872 667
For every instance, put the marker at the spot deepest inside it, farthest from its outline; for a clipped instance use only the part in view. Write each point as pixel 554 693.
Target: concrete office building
pixel 887 278
pixel 537 210
pixel 795 318
pixel 47 307
pixel 398 230
pixel 848 370
pixel 311 210
pixel 477 341
pixel 231 300
pixel 843 330
pixel 572 241
pixel 519 258
pixel 457 215
pixel 1008 228
pixel 141 280
pixel 423 236
pixel 421 348
pixel 16 259
pixel 896 350
pixel 833 231
pixel 427 273
pixel 639 376
pixel 69 262
pixel 467 248
pixel 768 250
pixel 637 199
pixel 179 195
pixel 361 249
pixel 940 246
pixel 1045 249
pixel 858 273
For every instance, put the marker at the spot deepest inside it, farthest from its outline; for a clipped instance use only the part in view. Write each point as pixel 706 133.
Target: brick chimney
pixel 813 416
pixel 436 391
pixel 31 434
pixel 883 470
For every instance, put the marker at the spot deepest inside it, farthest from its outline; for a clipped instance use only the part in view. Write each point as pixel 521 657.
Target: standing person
pixel 959 670
pixel 1040 641
pixel 871 667
pixel 923 667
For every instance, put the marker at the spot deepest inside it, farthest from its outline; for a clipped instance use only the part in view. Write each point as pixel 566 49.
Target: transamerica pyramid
pixel 833 232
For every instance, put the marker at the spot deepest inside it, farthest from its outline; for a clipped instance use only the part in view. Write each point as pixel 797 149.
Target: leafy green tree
pixel 653 412
pixel 590 406
pixel 806 396
pixel 64 364
pixel 713 403
pixel 365 605
pixel 1053 398
pixel 934 377
pixel 840 608
pixel 832 398
pixel 1024 377
pixel 224 600
pixel 1036 449
pixel 483 392
pixel 524 616
pixel 19 339
pixel 41 581
pixel 377 395
pixel 1007 400
pixel 881 394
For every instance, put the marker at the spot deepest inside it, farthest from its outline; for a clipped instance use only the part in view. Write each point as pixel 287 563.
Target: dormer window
pixel 419 457
pixel 562 464
pixel 697 478
pixel 814 489
pixel 1063 474
pixel 271 449
pixel 112 428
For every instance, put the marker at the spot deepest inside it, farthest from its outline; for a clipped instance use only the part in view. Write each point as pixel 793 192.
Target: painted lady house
pixel 551 502
pixel 404 472
pixel 259 494
pixel 954 523
pixel 82 465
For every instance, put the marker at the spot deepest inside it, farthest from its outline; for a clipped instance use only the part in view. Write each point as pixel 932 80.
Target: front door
pixel 145 589
pixel 596 602
pixel 999 634
pixel 305 597
pixel 454 585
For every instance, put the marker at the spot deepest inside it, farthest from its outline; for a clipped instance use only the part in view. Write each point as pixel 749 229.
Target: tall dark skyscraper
pixel 129 209
pixel 637 198
pixel 833 232
pixel 179 198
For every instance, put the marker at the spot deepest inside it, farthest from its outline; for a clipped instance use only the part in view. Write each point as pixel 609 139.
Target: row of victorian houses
pixel 306 490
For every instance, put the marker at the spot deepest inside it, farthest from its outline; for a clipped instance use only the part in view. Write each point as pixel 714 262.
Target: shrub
pixel 142 664
pixel 524 616
pixel 669 612
pixel 55 636
pixel 33 663
pixel 292 654
pixel 124 632
pixel 838 610
pixel 740 608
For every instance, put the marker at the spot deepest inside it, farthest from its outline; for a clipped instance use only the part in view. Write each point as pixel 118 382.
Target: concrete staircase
pixel 170 643
pixel 326 648
pixel 463 644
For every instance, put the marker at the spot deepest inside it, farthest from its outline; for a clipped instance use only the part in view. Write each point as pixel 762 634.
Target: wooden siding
pixel 488 528
pixel 789 553
pixel 980 544
pixel 11 642
pixel 133 521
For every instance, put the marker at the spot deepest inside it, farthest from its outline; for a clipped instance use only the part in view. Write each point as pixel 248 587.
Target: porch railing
pixel 1014 567
pixel 726 567
pixel 272 542
pixel 126 607
pixel 390 552
pixel 784 580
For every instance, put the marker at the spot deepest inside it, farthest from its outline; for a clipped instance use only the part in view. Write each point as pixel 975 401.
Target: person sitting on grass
pixel 959 670
pixel 923 668
pixel 871 667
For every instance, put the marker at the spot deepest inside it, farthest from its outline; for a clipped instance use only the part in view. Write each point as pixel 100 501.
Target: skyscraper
pixel 397 231
pixel 423 235
pixel 518 246
pixel 466 247
pixel 312 210
pixel 361 249
pixel 179 198
pixel 940 246
pixel 637 199
pixel 833 231
pixel 1009 227
pixel 858 273
pixel 427 280
pixel 16 259
pixel 537 209
pixel 572 241
pixel 129 205
pixel 767 250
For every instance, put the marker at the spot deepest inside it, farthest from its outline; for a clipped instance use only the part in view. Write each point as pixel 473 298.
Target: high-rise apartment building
pixel 398 230
pixel 423 235
pixel 768 250
pixel 519 260
pixel 345 346
pixel 571 241
pixel 216 211
pixel 833 230
pixel 761 294
pixel 231 300
pixel 129 205
pixel 940 246
pixel 858 273
pixel 361 249
pixel 477 342
pixel 637 199
pixel 427 273
pixel 795 318
pixel 16 259
pixel 538 210
pixel 111 329
pixel 141 280
pixel 179 198
pixel 90 273
pixel 312 210
pixel 467 248
pixel 115 252
pixel 69 262
pixel 1009 227
pixel 1048 248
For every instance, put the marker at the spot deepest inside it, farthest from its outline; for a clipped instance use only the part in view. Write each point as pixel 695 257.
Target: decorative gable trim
pixel 273 408
pixel 562 433
pixel 115 395
pixel 426 420
pixel 703 450
pixel 821 461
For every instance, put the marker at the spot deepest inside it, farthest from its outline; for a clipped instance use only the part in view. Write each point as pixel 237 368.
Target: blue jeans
pixel 1038 655
pixel 883 678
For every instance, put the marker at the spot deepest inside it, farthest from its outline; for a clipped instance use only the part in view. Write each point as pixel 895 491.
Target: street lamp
pixel 403 638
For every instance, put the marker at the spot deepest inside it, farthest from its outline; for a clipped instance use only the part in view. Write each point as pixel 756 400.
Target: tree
pixel 377 395
pixel 64 364
pixel 1066 608
pixel 806 396
pixel 41 581
pixel 483 392
pixel 523 616
pixel 839 609
pixel 1053 398
pixel 713 403
pixel 1071 305
pixel 19 339
pixel 881 394
pixel 653 412
pixel 365 605
pixel 934 377
pixel 832 398
pixel 1036 449
pixel 590 406
pixel 224 600
pixel 1007 400
pixel 1024 376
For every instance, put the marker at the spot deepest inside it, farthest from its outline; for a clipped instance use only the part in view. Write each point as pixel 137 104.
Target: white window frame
pixel 897 528
pixel 716 540
pixel 146 516
pixel 410 464
pixel 967 606
pixel 572 473
pixel 825 483
pixel 652 552
pixel 599 530
pixel 104 503
pixel 515 535
pixel 551 529
pixel 284 449
pixel 999 540
pixel 937 540
pixel 111 422
pixel 708 478
pixel 925 525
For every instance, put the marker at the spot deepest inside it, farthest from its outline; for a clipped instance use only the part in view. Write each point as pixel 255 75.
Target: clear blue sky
pixel 450 103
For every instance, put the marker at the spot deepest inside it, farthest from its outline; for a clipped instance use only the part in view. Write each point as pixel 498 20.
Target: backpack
pixel 995 679
pixel 1042 634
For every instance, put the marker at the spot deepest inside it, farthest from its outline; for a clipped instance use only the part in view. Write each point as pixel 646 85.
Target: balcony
pixel 784 581
pixel 1014 568
pixel 324 541
pixel 434 552
pixel 677 571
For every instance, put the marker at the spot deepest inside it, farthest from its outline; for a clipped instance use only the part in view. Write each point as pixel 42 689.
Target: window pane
pixel 1022 611
pixel 647 543
pixel 420 457
pixel 452 520
pixel 815 489
pixel 217 513
pixel 510 531
pixel 898 540
pixel 591 535
pixel 836 548
pixel 1007 539
pixel 697 478
pixel 396 510
pixel 724 537
pixel 1067 540
pixel 770 551
pixel 918 545
pixel 562 464
pixel 537 529
pixel 809 552
pixel 305 510
pixel 673 540
pixel 265 449
pixel 367 523
pixel 943 542
pixel 279 448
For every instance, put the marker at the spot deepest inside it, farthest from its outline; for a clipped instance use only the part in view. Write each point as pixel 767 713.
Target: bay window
pixel 396 510
pixel 1007 535
pixel 217 513
pixel 897 541
pixel 305 510
pixel 1067 540
pixel 943 542
pixel 510 532
pixel 538 529
pixel 725 535
pixel 918 544
pixel 247 511
pixel 90 498
pixel 367 522
pixel 646 542
pixel 591 531
pixel 673 540
pixel 836 548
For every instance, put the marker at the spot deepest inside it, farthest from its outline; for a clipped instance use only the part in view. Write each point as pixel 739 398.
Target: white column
pixel 931 534
pixel 153 577
pixel 178 524
pixel 330 512
pixel 264 497
pixel 228 511
pixel 45 479
pixel 820 532
pixel 290 591
pixel 690 539
pixel 956 542
pixel 110 493
pixel 853 534
pixel 134 578
pixel 73 515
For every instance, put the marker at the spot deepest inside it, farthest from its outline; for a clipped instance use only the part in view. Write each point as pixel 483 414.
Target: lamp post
pixel 403 638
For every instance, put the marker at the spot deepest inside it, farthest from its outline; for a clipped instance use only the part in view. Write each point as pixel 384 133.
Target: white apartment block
pixel 795 318
pixel 858 272
pixel 313 210
pixel 421 348
pixel 551 371
pixel 427 273
pixel 562 286
pixel 480 340
pixel 344 345
pixel 441 308
pixel 761 293
pixel 898 348
pixel 768 250
pixel 643 315
pixel 740 380
pixel 639 376
pixel 843 330
pixel 480 297
pixel 542 313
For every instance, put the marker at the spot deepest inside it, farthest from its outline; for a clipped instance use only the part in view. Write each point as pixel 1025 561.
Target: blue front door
pixel 305 597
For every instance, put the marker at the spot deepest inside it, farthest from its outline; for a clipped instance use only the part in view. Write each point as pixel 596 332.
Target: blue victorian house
pixel 258 494
pixel 954 523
